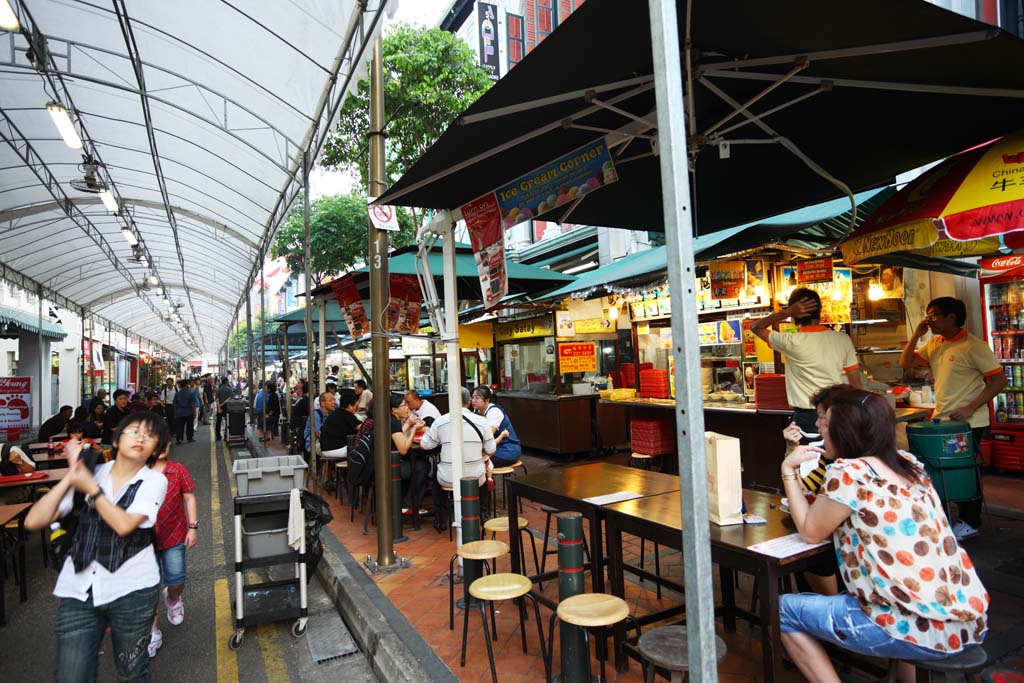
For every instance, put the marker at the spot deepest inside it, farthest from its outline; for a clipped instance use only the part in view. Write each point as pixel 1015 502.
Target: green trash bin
pixel 947 451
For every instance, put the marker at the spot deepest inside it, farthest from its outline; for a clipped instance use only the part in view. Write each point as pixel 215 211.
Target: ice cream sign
pixel 15 402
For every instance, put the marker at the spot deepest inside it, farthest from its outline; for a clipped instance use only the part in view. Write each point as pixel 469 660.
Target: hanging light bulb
pixel 8 19
pixel 153 279
pixel 837 294
pixel 613 313
pixel 874 291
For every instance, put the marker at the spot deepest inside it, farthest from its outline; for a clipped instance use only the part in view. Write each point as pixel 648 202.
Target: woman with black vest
pixel 110 577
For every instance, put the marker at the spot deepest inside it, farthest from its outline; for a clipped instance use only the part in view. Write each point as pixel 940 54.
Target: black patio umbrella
pixel 846 93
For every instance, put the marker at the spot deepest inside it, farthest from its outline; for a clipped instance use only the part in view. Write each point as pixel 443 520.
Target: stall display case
pixel 1002 300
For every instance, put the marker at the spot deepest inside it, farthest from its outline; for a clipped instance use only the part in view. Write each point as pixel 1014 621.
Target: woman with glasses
pixel 912 592
pixel 110 577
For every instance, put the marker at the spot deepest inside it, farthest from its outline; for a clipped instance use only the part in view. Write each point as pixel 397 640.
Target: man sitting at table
pixel 477 447
pixel 56 424
pixel 114 414
pixel 421 408
pixel 14 460
pixel 339 425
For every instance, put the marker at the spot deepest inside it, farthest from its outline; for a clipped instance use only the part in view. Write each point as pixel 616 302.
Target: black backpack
pixel 360 457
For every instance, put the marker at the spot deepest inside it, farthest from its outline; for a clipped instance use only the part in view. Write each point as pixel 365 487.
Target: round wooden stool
pixel 498 525
pixel 971 660
pixel 504 473
pixel 450 507
pixel 588 610
pixel 666 648
pixel 340 475
pixel 490 589
pixel 479 551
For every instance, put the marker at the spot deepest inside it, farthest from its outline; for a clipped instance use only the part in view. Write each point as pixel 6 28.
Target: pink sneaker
pixel 175 610
pixel 156 639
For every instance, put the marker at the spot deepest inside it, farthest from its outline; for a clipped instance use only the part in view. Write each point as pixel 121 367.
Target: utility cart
pixel 261 540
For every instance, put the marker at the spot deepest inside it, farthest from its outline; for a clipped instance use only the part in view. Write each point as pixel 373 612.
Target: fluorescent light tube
pixel 62 119
pixel 109 201
pixel 8 20
pixel 129 235
pixel 153 279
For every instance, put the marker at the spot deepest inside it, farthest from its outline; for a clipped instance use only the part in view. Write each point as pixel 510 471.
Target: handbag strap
pixel 475 428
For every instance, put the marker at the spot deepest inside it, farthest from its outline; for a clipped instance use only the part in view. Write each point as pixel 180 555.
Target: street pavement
pixel 196 651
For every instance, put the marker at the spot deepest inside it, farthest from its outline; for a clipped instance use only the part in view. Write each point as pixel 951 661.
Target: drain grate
pixel 328 637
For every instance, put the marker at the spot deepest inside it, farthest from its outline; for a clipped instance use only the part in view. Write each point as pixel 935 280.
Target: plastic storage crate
pixel 265 535
pixel 276 474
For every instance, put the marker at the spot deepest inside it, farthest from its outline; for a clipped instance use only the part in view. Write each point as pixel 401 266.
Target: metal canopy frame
pixel 199 130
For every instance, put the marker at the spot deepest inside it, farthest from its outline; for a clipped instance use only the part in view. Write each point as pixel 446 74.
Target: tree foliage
pixel 430 77
pixel 238 338
pixel 338 235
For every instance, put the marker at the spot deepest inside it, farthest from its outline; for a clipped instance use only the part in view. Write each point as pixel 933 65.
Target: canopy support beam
pixel 872 85
pixel 689 411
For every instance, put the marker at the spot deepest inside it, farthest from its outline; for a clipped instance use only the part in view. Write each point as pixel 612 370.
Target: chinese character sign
pixel 15 406
pixel 577 357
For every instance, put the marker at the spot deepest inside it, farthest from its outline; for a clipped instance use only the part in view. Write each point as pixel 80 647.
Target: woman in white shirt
pixel 110 577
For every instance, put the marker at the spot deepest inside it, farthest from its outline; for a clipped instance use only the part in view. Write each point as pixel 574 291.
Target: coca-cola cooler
pixel 1002 299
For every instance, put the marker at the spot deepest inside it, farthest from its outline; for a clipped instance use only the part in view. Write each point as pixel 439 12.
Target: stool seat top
pixel 482 550
pixel 501 523
pixel 445 488
pixel 503 470
pixel 341 463
pixel 593 609
pixel 500 587
pixel 666 647
pixel 643 456
pixel 971 659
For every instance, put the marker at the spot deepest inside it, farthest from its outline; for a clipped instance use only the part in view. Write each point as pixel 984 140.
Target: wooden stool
pixel 488 590
pixel 666 648
pixel 504 473
pixel 474 550
pixel 450 507
pixel 643 461
pixel 588 610
pixel 971 660
pixel 500 524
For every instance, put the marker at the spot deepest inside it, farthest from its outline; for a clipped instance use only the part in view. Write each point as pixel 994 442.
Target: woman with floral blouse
pixel 913 593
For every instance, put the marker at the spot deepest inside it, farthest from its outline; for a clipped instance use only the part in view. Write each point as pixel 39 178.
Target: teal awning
pixel 653 263
pixel 30 323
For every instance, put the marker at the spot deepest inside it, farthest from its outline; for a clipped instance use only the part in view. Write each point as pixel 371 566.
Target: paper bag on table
pixel 725 487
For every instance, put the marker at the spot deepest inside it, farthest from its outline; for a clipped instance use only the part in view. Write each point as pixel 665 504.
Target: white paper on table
pixel 784 546
pixel 610 498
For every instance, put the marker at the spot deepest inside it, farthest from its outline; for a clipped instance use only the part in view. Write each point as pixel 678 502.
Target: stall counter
pixel 562 423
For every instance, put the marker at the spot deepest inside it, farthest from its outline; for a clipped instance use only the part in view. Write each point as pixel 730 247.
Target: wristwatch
pixel 90 500
pixel 194 525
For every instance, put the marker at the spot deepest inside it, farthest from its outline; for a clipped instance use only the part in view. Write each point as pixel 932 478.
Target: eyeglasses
pixel 133 433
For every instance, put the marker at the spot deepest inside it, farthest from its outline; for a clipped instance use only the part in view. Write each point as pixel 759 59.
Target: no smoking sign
pixel 384 217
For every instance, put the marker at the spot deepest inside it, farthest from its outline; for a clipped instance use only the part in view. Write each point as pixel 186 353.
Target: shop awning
pixel 30 323
pixel 862 89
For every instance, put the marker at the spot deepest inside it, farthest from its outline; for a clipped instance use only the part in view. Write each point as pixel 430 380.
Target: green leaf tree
pixel 430 77
pixel 338 235
pixel 238 338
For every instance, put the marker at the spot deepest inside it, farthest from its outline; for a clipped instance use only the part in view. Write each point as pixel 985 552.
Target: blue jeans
pixel 80 628
pixel 838 619
pixel 172 565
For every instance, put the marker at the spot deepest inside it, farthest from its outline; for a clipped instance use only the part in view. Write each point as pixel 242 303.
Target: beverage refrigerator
pixel 1002 298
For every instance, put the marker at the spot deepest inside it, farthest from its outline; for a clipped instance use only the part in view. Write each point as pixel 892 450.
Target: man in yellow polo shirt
pixel 967 376
pixel 816 356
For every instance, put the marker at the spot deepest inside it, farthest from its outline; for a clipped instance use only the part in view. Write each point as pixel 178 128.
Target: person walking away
pixel 184 413
pixel 110 576
pixel 175 531
pixel 208 399
pixel 273 410
pixel 422 408
pixel 816 356
pixel 913 592
pixel 478 446
pixel 56 424
pixel 364 395
pixel 224 394
pixel 300 414
pixel 257 411
pixel 167 398
pixel 198 401
pixel 967 376
pixel 114 414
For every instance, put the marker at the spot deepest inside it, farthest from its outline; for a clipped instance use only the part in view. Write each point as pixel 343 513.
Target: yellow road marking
pixel 227 465
pixel 227 661
pixel 273 657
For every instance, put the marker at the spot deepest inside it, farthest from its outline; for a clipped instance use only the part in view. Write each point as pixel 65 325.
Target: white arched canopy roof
pixel 197 113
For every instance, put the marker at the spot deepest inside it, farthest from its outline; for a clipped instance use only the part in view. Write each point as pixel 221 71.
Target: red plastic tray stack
pixel 770 392
pixel 654 383
pixel 652 437
pixel 628 374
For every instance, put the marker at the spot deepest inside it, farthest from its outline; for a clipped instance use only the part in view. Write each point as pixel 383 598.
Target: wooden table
pixel 658 518
pixel 51 478
pixel 45 461
pixel 9 513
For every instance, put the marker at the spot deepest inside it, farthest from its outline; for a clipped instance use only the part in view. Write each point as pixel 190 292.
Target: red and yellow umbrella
pixel 959 208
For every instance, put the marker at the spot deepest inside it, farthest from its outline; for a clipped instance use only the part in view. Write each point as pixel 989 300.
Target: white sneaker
pixel 156 639
pixel 962 530
pixel 175 610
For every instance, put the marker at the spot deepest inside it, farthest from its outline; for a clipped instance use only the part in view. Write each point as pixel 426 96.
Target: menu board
pixel 814 270
pixel 727 279
pixel 719 332
pixel 707 333
pixel 15 411
pixel 577 357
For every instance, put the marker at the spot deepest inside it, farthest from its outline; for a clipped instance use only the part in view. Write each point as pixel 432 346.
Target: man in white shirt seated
pixel 421 408
pixel 478 446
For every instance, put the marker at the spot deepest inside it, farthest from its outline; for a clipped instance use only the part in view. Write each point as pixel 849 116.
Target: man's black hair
pixel 345 398
pixel 120 392
pixel 63 408
pixel 804 294
pixel 948 305
pixel 361 383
